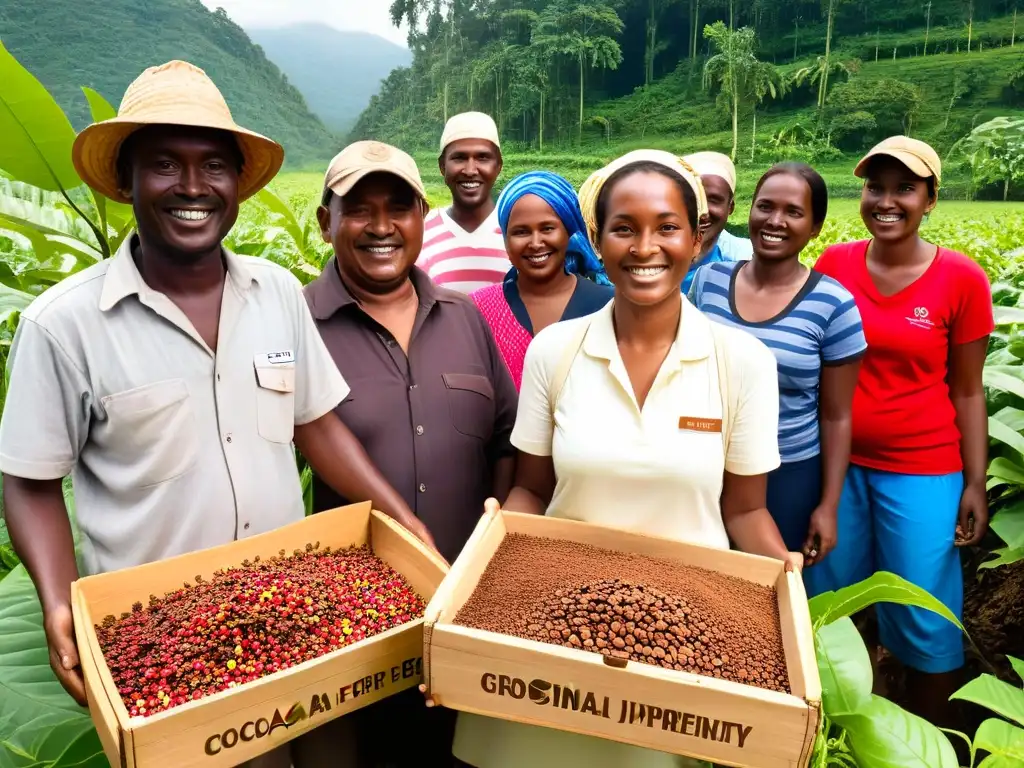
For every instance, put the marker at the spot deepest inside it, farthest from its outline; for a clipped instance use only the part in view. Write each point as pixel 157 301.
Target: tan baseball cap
pixel 358 160
pixel 918 156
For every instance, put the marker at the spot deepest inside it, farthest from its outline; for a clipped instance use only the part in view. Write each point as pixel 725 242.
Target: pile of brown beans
pixel 646 610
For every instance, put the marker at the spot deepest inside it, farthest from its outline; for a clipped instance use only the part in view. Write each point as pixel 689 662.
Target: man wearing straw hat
pixel 171 380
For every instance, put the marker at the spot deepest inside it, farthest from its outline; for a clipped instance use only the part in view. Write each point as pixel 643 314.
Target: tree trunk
pixel 649 54
pixel 735 121
pixel 1006 188
pixel 753 138
pixel 970 25
pixel 581 100
pixel 823 89
pixel 695 4
pixel 540 131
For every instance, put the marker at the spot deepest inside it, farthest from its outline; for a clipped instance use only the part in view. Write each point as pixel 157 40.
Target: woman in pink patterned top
pixel 555 273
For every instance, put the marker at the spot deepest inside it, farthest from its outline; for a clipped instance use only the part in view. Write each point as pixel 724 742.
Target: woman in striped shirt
pixel 812 325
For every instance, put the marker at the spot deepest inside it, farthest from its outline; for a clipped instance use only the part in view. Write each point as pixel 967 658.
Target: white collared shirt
pixel 171 447
pixel 641 470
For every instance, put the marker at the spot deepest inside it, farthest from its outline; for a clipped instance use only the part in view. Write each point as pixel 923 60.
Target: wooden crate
pixel 230 727
pixel 490 674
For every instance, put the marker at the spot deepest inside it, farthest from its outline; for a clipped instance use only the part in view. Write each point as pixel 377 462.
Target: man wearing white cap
pixel 718 175
pixel 463 248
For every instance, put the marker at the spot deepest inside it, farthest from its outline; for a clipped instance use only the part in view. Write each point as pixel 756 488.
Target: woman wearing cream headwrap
pixel 632 442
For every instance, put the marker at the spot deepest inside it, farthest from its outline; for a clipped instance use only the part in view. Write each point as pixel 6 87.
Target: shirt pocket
pixel 471 402
pixel 154 435
pixel 275 401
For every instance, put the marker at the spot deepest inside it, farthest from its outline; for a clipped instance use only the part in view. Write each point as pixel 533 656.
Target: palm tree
pixel 818 74
pixel 738 71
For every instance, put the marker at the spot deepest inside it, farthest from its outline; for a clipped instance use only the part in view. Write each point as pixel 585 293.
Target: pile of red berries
pixel 249 622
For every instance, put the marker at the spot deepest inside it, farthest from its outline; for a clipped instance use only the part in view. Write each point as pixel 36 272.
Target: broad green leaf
pixel 12 300
pixel 1008 315
pixel 288 219
pixel 40 723
pixel 1008 378
pixel 1018 666
pixel 1005 742
pixel 1011 417
pixel 1004 556
pixel 997 430
pixel 992 693
pixel 881 587
pixel 41 247
pixel 844 667
pixel 1008 523
pixel 1008 471
pixel 37 136
pixel 882 735
pixel 115 214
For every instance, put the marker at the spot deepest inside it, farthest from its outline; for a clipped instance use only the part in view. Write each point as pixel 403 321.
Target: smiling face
pixel 647 241
pixel 782 217
pixel 720 206
pixel 894 200
pixel 470 167
pixel 376 231
pixel 536 239
pixel 184 188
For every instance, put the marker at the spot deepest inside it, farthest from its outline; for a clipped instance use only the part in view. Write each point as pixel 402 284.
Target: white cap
pixel 470 125
pixel 714 164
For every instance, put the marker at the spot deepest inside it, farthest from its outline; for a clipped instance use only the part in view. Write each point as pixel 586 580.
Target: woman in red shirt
pixel 915 489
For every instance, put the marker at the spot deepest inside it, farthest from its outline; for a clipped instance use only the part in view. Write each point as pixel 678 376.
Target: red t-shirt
pixel 903 418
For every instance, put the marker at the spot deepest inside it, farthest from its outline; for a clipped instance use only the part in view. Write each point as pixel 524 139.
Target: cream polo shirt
pixel 623 467
pixel 171 447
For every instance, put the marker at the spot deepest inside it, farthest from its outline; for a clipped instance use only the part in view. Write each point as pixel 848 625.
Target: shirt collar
pixel 123 278
pixel 693 339
pixel 328 293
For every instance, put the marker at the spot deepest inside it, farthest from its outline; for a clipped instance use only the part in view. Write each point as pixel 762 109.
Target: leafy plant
pixel 858 727
pixel 999 737
pixel 995 151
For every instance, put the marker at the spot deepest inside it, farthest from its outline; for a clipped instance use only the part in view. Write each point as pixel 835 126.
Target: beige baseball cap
pixel 358 160
pixel 918 156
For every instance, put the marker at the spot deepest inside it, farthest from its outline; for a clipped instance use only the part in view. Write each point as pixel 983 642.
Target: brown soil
pixel 653 611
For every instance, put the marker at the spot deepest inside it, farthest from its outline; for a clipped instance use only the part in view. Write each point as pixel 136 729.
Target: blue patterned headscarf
pixel 554 190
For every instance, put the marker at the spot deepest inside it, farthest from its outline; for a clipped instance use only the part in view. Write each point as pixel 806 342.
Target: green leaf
pixel 1008 378
pixel 1008 523
pixel 844 667
pixel 1006 471
pixel 12 300
pixel 880 587
pixel 282 210
pixel 1004 556
pixel 115 214
pixel 1018 666
pixel 1011 417
pixel 38 137
pixel 998 430
pixel 1008 315
pixel 1005 742
pixel 992 693
pixel 882 735
pixel 40 723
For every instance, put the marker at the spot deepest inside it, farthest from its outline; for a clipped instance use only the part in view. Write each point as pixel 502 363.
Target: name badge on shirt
pixel 693 424
pixel 274 358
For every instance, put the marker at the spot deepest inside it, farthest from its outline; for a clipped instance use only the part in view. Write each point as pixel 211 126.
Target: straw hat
pixel 176 93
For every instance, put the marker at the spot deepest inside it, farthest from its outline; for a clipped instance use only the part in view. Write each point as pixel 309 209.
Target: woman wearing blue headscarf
pixel 555 274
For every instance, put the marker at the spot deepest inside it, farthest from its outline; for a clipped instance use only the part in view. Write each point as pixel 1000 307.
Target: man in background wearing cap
pixel 170 380
pixel 463 247
pixel 718 175
pixel 431 397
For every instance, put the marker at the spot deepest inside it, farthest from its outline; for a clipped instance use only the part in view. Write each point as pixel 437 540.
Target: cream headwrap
pixel 714 164
pixel 470 125
pixel 591 189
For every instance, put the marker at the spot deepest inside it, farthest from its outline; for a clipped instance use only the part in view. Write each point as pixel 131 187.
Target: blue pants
pixel 904 524
pixel 794 492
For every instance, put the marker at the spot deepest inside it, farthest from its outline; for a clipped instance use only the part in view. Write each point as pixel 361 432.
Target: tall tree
pixel 585 31
pixel 652 45
pixel 737 70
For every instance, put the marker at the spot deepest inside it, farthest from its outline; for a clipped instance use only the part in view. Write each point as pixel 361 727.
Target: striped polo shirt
pixel 820 326
pixel 459 260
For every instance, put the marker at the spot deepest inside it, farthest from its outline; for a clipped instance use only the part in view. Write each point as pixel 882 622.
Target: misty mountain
pixel 337 72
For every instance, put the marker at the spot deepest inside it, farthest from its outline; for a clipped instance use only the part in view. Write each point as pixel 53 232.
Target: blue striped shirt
pixel 821 326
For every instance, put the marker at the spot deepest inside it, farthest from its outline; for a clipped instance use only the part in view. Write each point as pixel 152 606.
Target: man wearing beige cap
pixel 463 247
pixel 718 175
pixel 171 380
pixel 431 397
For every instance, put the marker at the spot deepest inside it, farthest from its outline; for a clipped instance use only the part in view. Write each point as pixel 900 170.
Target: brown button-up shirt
pixel 434 422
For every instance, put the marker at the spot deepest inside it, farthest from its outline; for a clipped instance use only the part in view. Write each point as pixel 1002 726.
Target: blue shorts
pixel 794 492
pixel 904 524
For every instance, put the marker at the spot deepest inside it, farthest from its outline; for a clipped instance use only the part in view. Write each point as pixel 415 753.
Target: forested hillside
pixel 105 44
pixel 337 71
pixel 826 76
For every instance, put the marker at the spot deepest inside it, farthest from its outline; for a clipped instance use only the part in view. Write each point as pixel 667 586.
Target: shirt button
pixel 419 429
pixel 423 488
pixel 218 377
pixel 246 526
pixel 228 438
